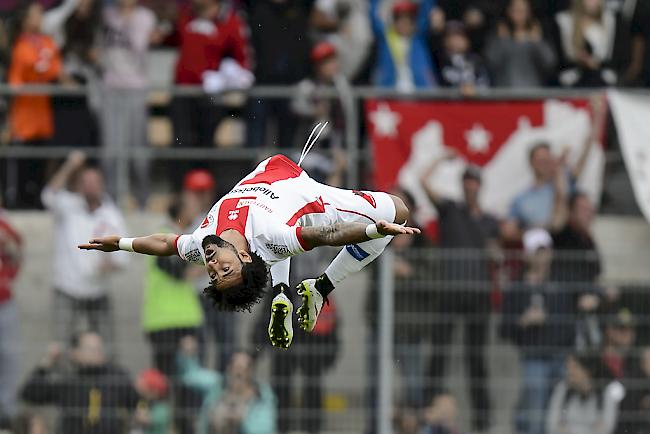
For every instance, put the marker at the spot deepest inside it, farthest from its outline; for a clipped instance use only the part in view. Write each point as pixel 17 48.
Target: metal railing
pixel 370 379
pixel 356 153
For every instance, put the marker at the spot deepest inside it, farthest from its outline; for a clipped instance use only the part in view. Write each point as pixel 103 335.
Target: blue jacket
pixel 420 60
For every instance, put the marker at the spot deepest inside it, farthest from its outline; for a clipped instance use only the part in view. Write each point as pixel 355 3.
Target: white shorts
pixel 346 206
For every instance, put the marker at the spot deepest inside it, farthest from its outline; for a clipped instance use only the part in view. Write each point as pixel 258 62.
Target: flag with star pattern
pixel 406 136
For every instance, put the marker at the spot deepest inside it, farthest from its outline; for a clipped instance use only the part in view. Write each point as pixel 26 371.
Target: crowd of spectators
pixel 80 374
pixel 579 353
pixel 580 345
pixel 582 361
pixel 231 44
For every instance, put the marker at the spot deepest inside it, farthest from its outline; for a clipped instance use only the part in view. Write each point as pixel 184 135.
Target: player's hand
pixel 385 228
pixel 104 244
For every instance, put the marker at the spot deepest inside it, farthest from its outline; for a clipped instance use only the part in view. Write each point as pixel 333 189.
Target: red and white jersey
pixel 268 207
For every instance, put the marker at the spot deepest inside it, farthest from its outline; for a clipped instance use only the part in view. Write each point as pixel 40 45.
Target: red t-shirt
pixel 10 243
pixel 203 43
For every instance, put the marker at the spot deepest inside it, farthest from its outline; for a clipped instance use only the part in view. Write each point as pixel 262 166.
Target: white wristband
pixel 372 233
pixel 126 244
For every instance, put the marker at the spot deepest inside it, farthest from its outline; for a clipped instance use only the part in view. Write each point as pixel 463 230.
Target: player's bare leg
pixel 280 325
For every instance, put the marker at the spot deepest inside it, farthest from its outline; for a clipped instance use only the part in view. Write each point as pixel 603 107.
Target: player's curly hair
pixel 239 298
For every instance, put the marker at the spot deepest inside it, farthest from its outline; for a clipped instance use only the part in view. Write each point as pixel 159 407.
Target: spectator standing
pixel 54 20
pixel 538 318
pixel 29 422
pixel 592 44
pixel 543 203
pixel 74 25
pixel 234 402
pixel 220 327
pixel 279 30
pixel 128 30
pixel 11 249
pixel 81 280
pixel 35 59
pixel 153 413
pixel 312 106
pixel 638 72
pixel 586 401
pixel 619 335
pixel 576 263
pixel 171 309
pixel 576 236
pixel 344 23
pixel 458 66
pixel 441 417
pixel 478 17
pixel 635 408
pixel 403 58
pixel 518 55
pixel 406 421
pixel 628 13
pixel 94 398
pixel 468 238
pixel 207 32
pixel 316 354
pixel 414 302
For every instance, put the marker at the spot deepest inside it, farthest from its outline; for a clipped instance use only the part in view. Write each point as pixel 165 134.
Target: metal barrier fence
pixel 387 345
pixel 391 345
pixel 356 155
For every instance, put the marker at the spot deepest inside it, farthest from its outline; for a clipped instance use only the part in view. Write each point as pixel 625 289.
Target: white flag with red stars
pixel 495 135
pixel 632 117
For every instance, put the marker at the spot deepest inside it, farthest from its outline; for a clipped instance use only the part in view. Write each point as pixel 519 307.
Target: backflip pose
pixel 275 212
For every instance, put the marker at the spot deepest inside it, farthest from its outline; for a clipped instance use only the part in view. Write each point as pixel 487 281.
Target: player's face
pixel 224 265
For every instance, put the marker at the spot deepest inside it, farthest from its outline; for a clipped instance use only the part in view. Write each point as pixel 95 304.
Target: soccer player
pixel 276 212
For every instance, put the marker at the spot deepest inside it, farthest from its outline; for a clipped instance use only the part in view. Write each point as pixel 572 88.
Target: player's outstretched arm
pixel 341 234
pixel 156 244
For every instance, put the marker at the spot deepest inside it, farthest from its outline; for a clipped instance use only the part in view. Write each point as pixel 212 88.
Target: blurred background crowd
pixel 117 50
pixel 503 324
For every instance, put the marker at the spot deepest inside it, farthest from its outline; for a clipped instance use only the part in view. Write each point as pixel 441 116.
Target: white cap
pixel 535 239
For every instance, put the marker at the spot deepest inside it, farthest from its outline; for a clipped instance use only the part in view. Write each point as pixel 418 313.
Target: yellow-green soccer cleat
pixel 280 326
pixel 312 303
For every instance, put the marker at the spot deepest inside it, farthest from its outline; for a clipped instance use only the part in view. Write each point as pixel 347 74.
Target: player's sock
pixel 280 288
pixel 324 285
pixel 351 259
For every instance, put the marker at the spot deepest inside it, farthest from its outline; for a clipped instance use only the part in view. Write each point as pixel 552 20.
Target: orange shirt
pixel 35 59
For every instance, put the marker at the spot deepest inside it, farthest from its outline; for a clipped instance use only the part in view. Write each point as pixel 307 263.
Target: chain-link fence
pixel 426 338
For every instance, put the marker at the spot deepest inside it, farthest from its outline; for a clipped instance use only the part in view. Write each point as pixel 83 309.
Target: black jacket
pixel 556 334
pixel 91 400
pixel 279 36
